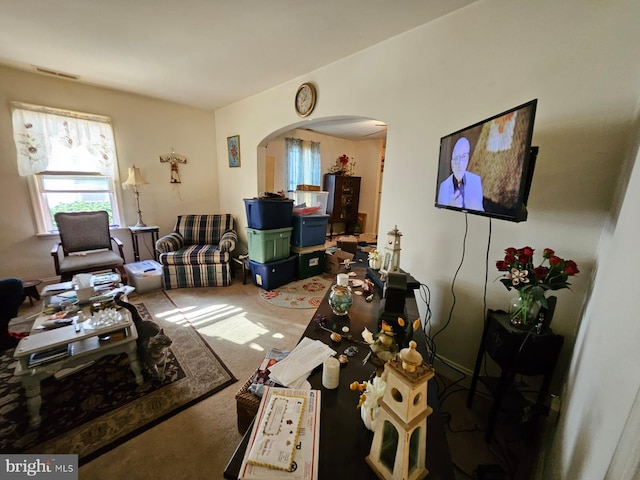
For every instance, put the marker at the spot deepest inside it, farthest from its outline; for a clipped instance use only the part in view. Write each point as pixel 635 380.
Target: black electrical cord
pixel 484 296
pixel 453 282
pixel 425 295
pixel 503 454
pixel 434 355
pixel 442 395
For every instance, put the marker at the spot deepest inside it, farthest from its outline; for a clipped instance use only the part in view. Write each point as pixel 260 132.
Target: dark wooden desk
pixel 344 440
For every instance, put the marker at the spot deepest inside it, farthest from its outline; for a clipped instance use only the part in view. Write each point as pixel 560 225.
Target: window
pixel 303 162
pixel 71 160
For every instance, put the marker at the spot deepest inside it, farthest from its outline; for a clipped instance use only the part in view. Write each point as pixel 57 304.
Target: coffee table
pixel 84 348
pixel 344 441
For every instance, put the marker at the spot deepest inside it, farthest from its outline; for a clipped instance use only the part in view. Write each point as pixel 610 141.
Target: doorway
pixel 361 139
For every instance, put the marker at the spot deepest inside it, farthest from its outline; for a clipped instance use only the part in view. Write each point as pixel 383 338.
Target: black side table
pixel 135 231
pixel 517 352
pixel 243 261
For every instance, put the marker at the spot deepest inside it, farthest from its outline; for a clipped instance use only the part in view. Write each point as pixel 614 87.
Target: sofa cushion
pixel 195 255
pixel 102 258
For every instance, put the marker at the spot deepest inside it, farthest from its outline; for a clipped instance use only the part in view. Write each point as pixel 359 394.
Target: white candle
pixel 331 373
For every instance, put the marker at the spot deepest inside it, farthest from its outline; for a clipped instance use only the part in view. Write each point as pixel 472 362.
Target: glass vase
pixel 340 297
pixel 524 310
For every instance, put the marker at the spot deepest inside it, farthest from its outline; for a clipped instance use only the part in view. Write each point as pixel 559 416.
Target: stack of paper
pixel 262 377
pixel 303 465
pixel 56 288
pixel 296 367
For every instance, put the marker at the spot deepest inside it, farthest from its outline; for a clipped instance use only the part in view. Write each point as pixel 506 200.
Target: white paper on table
pixel 307 355
pixel 307 450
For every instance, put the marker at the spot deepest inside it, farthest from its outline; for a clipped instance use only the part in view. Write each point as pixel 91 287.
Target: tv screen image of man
pixel 461 189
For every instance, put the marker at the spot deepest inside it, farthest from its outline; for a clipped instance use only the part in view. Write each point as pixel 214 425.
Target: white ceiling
pixel 350 128
pixel 204 53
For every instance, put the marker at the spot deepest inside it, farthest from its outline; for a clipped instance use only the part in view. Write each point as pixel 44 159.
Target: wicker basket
pixel 247 406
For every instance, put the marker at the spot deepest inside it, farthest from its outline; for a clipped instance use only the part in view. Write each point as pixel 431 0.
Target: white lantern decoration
pixel 392 251
pixel 398 450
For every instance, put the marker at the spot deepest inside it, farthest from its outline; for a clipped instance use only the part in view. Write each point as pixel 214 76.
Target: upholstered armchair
pixel 198 252
pixel 87 245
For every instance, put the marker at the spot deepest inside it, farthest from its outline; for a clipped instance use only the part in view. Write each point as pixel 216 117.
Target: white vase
pixel 375 263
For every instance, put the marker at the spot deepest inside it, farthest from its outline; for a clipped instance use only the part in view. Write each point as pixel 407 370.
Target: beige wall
pixel 579 59
pixel 144 129
pixel 423 91
pixel 604 378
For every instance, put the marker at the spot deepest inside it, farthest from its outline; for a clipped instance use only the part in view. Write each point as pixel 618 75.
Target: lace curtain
pixel 303 162
pixel 86 143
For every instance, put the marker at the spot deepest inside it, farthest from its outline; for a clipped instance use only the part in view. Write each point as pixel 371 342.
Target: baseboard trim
pixel 444 366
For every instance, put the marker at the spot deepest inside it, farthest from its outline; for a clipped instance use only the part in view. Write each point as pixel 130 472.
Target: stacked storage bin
pixel 308 202
pixel 269 236
pixel 309 234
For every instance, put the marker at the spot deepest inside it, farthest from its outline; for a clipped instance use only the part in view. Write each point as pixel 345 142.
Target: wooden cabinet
pixel 344 197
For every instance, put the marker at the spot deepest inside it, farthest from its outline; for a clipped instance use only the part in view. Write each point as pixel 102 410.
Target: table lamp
pixel 134 182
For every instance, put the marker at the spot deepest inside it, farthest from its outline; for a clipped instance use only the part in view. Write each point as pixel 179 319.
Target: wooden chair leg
pixel 123 274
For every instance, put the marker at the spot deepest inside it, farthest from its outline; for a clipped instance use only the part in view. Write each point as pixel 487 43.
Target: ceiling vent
pixel 47 71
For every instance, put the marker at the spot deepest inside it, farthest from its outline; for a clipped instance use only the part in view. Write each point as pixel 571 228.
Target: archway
pixel 362 139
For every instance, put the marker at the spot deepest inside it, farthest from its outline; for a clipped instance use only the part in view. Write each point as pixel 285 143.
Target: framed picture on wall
pixel 233 147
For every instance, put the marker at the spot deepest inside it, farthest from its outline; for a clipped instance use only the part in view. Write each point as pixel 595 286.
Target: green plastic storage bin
pixel 269 245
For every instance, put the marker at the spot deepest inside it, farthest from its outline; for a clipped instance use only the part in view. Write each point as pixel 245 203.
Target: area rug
pixel 100 407
pixel 306 293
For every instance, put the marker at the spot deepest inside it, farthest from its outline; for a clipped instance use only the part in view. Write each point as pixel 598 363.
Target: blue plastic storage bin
pixel 309 230
pixel 268 214
pixel 273 274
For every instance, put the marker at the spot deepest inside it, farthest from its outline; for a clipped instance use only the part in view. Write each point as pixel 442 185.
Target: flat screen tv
pixel 487 168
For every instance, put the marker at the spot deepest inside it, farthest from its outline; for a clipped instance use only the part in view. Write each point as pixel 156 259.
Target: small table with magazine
pixel 64 350
pixel 344 440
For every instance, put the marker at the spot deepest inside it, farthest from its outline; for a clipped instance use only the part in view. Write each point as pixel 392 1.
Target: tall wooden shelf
pixel 343 200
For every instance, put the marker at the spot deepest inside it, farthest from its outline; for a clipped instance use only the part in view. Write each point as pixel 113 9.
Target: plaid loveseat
pixel 198 252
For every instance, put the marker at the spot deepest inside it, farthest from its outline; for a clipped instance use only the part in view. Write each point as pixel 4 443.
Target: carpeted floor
pixel 197 443
pixel 93 410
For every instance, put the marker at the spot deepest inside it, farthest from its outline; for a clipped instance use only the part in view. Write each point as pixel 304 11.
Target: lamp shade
pixel 135 178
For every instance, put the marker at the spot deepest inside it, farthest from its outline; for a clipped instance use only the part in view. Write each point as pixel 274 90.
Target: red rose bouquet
pixel 344 165
pixel 532 282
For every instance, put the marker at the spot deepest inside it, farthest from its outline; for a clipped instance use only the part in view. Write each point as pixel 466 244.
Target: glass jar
pixel 524 309
pixel 340 297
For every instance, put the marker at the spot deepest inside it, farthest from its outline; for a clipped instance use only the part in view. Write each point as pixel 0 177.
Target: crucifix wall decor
pixel 173 159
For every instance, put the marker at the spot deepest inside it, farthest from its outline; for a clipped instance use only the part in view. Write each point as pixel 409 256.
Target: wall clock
pixel 305 100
